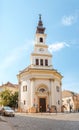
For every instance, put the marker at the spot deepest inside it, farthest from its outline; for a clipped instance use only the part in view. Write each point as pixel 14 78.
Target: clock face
pixel 41 49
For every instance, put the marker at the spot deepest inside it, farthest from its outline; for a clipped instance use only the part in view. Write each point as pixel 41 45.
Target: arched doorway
pixel 42 95
pixel 42 104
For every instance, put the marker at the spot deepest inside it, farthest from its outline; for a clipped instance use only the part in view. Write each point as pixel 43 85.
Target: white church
pixel 40 85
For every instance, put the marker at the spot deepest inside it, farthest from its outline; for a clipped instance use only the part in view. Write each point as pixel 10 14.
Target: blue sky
pixel 18 22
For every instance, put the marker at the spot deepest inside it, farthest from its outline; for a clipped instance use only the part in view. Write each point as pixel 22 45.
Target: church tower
pixel 39 83
pixel 41 58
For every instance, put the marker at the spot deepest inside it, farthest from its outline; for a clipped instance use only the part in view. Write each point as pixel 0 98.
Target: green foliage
pixel 5 97
pixel 14 100
pixel 9 98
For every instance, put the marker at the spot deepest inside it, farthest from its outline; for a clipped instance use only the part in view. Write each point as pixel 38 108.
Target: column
pixel 32 92
pixel 53 96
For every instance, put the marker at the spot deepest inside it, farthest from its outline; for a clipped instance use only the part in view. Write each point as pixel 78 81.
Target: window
pixel 58 102
pixel 46 62
pixel 41 39
pixel 37 62
pixel 68 100
pixel 25 88
pixel 41 61
pixel 57 88
pixel 24 102
pixel 42 90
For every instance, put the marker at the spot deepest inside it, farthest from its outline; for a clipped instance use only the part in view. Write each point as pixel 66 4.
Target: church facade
pixel 40 85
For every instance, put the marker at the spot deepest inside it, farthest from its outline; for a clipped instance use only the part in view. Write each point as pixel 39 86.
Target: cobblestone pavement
pixel 3 124
pixel 46 121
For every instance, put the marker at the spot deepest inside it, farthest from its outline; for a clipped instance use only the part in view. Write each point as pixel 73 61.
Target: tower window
pixel 37 62
pixel 41 39
pixel 46 62
pixel 41 61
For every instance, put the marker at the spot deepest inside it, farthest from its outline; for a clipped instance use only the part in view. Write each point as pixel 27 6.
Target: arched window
pixel 46 62
pixel 24 88
pixel 42 90
pixel 41 61
pixel 37 61
pixel 41 39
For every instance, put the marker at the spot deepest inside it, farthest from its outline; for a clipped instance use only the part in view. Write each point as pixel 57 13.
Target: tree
pixel 5 97
pixel 14 100
pixel 8 98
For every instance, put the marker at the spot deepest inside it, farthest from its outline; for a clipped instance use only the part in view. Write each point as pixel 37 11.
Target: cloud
pixel 57 46
pixel 69 20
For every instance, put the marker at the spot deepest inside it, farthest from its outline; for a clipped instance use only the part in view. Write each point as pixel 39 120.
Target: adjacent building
pixel 40 85
pixel 70 101
pixel 9 86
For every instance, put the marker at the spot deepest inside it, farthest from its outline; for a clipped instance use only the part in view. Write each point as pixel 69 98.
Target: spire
pixel 40 17
pixel 40 28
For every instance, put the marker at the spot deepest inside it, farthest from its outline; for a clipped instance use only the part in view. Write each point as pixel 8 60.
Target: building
pixel 40 84
pixel 70 101
pixel 9 86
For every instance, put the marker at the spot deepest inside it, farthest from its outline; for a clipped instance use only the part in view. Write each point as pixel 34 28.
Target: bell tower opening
pixel 41 39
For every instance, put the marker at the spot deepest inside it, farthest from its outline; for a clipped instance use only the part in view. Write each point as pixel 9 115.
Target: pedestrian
pixel 56 109
pixel 48 108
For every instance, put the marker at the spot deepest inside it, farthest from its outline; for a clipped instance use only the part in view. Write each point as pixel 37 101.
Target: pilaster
pixel 52 91
pixel 32 91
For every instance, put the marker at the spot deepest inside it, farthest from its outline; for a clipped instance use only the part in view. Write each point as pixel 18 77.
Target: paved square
pixel 45 121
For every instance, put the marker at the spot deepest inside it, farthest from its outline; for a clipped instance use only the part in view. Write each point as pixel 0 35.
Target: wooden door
pixel 42 104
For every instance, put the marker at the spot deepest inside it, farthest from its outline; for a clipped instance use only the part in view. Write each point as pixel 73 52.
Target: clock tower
pixel 39 83
pixel 41 57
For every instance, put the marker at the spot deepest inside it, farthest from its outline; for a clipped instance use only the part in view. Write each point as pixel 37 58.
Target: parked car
pixel 7 111
pixel 0 109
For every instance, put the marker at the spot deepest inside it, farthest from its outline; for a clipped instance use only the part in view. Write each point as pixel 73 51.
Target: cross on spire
pixel 39 17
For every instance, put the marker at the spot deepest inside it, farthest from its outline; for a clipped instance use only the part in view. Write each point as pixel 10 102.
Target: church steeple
pixel 41 57
pixel 40 28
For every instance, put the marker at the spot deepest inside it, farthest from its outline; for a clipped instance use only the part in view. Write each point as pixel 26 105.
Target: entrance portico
pixel 42 95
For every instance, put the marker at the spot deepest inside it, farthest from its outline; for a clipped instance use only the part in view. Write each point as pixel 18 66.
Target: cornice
pixel 35 54
pixel 39 34
pixel 41 45
pixel 33 71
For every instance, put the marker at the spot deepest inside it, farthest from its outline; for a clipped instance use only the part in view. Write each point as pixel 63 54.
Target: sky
pixel 18 22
